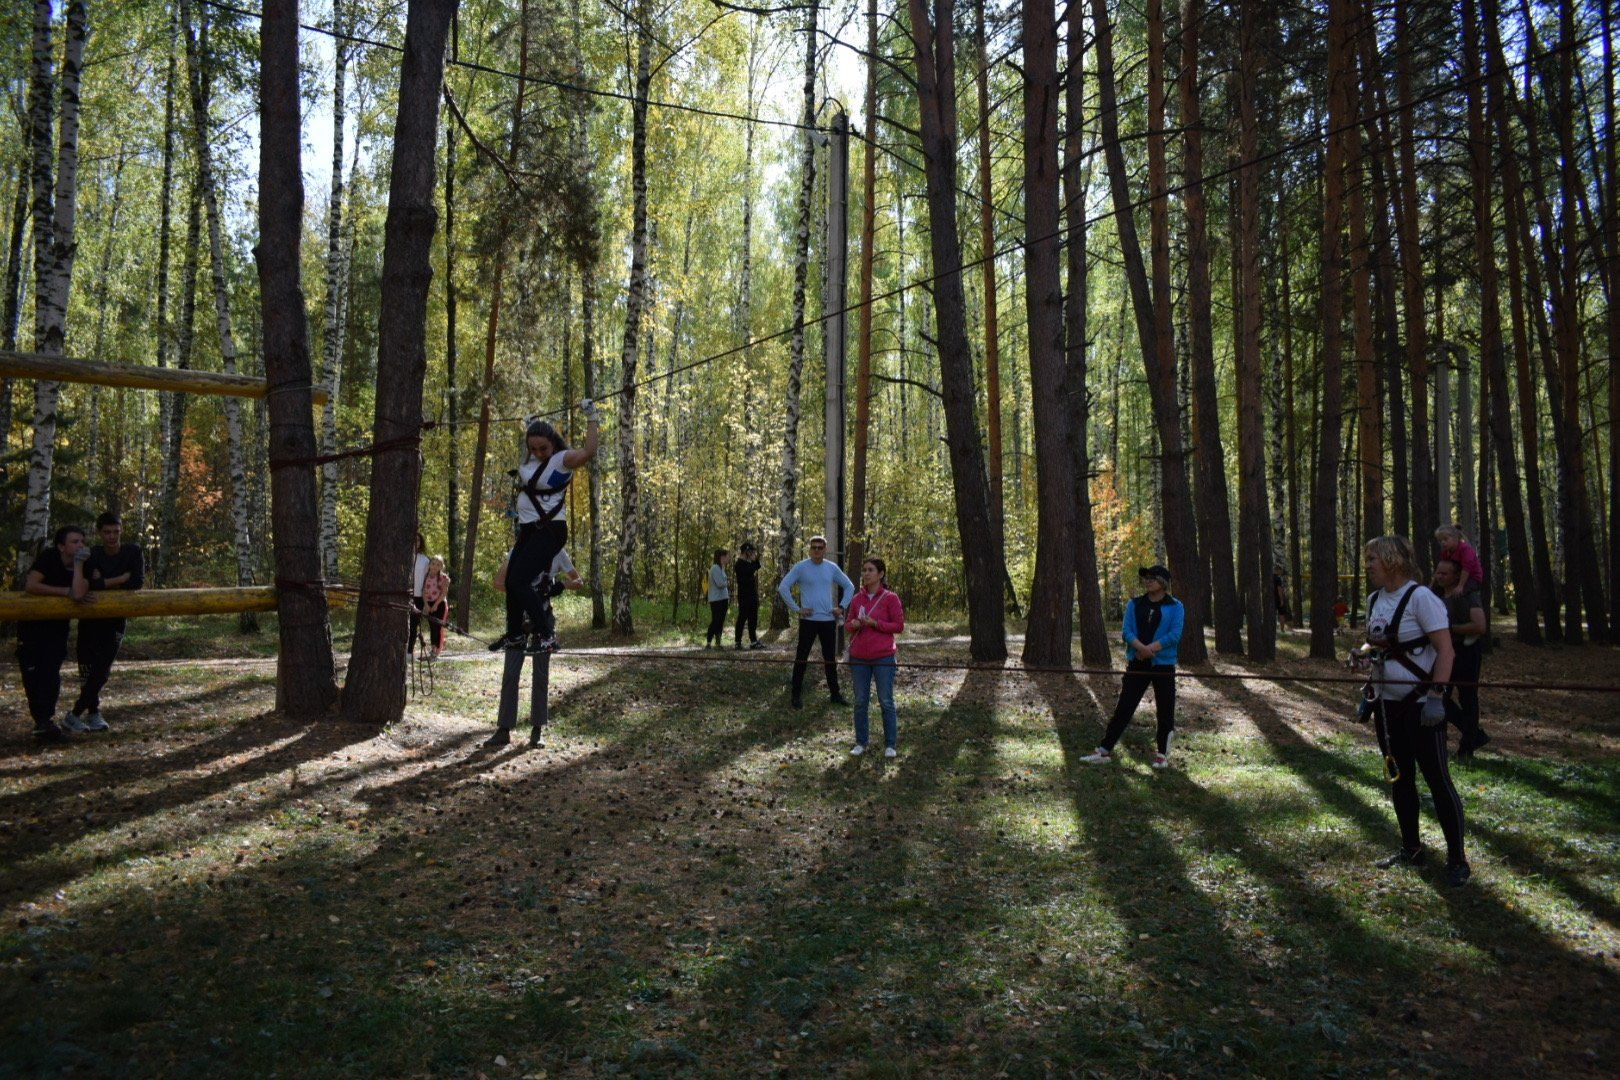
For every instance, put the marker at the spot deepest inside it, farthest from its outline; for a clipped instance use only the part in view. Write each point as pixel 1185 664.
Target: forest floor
pixel 688 877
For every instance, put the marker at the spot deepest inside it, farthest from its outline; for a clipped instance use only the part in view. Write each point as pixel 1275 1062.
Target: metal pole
pixel 833 300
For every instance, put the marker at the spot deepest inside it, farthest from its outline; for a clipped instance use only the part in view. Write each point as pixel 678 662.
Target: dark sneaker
pixel 1481 737
pixel 502 737
pixel 1457 874
pixel 798 702
pixel 47 731
pixel 1403 857
pixel 534 736
pixel 840 699
pixel 757 645
pixel 95 722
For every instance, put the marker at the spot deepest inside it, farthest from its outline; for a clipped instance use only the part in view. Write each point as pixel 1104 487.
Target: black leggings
pixel 1414 747
pixel 437 615
pixel 747 615
pixel 416 623
pixel 810 632
pixel 97 649
pixel 537 545
pixel 1140 674
pixel 1462 702
pixel 717 621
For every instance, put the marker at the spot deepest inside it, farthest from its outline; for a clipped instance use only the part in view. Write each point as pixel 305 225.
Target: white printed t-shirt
pixel 1425 613
pixel 553 474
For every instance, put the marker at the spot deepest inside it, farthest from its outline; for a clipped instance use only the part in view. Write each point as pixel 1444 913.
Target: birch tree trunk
pixel 1254 517
pixel 199 76
pixel 1051 602
pixel 54 248
pixel 103 303
pixel 11 312
pixel 305 686
pixel 185 338
pixel 935 49
pixel 1077 346
pixel 332 331
pixel 629 492
pixel 863 335
pixel 787 513
pixel 374 691
pixel 1209 475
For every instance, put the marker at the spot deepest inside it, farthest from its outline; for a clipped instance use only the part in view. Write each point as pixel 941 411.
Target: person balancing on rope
pixel 542 483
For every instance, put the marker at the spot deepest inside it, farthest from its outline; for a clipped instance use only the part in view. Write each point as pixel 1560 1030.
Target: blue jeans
pixel 865 671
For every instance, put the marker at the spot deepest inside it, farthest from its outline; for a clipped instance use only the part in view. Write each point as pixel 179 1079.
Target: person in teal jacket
pixel 1152 631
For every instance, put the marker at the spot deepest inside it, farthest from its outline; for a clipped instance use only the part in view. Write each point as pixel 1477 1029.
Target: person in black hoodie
pixel 112 564
pixel 747 566
pixel 42 643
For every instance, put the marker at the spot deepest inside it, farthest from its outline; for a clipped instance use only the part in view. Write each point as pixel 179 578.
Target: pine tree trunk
pixel 1492 359
pixel 374 691
pixel 54 248
pixel 1051 604
pixel 587 286
pixel 1425 518
pixel 332 331
pixel 787 513
pixel 104 306
pixel 1611 224
pixel 305 686
pixel 1254 517
pixel 1324 536
pixel 1094 650
pixel 629 489
pixel 452 389
pixel 863 333
pixel 1213 500
pixel 1369 404
pixel 198 82
pixel 981 553
pixel 184 340
pixel 1151 304
pixel 987 247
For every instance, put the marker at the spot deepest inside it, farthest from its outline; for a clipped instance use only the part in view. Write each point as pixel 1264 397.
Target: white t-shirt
pixel 553 474
pixel 1425 613
pixel 419 574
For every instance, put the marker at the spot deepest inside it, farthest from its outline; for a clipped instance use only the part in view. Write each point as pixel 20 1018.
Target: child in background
pixel 436 601
pixel 1454 545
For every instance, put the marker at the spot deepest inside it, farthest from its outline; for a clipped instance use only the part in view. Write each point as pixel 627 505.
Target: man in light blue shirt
pixel 824 592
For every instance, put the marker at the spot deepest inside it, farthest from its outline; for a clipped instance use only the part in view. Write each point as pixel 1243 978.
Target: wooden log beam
pixel 137 376
pixel 21 607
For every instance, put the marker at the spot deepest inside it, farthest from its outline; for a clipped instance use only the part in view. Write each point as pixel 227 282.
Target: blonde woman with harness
pixel 1409 655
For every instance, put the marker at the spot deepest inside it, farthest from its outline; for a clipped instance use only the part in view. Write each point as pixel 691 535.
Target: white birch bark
pixel 54 249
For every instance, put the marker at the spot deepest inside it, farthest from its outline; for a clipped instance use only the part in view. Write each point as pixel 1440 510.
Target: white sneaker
pixel 72 723
pixel 1098 756
pixel 889 751
pixel 95 722
pixel 857 750
pixel 1161 761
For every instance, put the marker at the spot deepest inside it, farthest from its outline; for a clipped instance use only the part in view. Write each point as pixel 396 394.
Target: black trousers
pixel 41 664
pixel 717 621
pixel 747 615
pixel 1416 747
pixel 537 544
pixel 97 649
pixel 437 615
pixel 810 632
pixel 1139 675
pixel 416 624
pixel 1462 702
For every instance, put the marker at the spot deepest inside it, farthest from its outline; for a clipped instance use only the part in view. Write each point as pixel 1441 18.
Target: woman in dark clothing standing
pixel 719 599
pixel 747 565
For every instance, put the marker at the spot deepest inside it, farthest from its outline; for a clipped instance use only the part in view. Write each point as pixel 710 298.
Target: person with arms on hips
pixel 42 643
pixel 419 569
pixel 875 617
pixel 747 566
pixel 1152 633
pixel 824 593
pixel 542 484
pixel 1409 649
pixel 719 599
pixel 1466 613
pixel 113 565
pixel 436 602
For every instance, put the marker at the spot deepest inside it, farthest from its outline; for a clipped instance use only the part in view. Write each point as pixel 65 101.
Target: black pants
pixel 1414 747
pixel 717 621
pixel 1462 702
pixel 97 649
pixel 437 615
pixel 747 615
pixel 41 664
pixel 537 545
pixel 810 632
pixel 416 624
pixel 1140 674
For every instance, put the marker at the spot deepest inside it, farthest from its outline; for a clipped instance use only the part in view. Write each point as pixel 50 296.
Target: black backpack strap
pixel 1400 651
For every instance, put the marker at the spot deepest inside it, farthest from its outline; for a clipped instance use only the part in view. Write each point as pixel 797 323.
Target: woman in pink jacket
pixel 875 616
